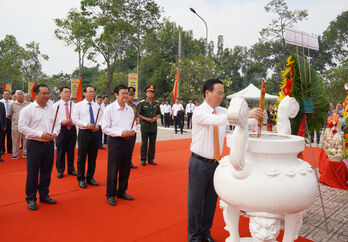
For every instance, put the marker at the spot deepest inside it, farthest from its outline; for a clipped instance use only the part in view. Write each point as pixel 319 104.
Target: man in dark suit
pixel 3 124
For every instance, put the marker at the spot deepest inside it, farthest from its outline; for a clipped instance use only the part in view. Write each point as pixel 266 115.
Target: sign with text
pixel 74 86
pixel 299 38
pixel 30 85
pixel 133 82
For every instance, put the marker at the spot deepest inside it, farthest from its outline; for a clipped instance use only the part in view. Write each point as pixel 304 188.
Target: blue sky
pixel 239 21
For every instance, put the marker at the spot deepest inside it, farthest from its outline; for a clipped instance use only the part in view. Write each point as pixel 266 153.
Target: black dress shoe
pixel 32 205
pixel 48 200
pixel 82 184
pixel 92 182
pixel 1 160
pixel 125 196
pixel 112 201
pixel 133 166
pixel 152 163
pixel 207 239
pixel 73 173
pixel 60 175
pixel 143 163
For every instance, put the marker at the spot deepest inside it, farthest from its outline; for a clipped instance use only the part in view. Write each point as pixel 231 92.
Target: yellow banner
pixel 133 82
pixel 74 86
pixel 30 85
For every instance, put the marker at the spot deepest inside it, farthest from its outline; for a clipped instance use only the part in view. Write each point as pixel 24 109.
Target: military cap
pixel 150 88
pixel 131 90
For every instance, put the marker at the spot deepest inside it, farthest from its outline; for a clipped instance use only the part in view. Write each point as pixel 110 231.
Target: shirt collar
pixel 207 106
pixel 118 107
pixel 37 105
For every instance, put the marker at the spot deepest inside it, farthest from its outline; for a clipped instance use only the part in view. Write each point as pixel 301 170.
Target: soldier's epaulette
pixel 142 101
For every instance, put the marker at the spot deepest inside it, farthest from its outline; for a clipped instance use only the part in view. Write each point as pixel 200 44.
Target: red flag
pixel 175 88
pixel 4 87
pixel 79 91
pixel 32 90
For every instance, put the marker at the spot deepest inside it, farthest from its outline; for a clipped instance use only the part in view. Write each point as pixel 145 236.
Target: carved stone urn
pixel 263 177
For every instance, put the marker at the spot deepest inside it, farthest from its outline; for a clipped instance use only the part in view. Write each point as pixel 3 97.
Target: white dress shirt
pixel 80 114
pixel 190 107
pixel 162 109
pixel 203 122
pixel 62 111
pixel 116 120
pixel 9 102
pixel 176 108
pixel 167 108
pixel 34 120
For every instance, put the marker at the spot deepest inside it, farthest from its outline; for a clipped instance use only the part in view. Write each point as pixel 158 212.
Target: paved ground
pixel 313 228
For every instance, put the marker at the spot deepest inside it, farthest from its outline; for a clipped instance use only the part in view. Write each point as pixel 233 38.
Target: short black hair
pixel 208 85
pixel 105 96
pixel 62 88
pixel 85 89
pixel 119 87
pixel 99 97
pixel 131 88
pixel 37 88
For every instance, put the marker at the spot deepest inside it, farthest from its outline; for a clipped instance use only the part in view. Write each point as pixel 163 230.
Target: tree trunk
pixel 138 72
pixel 110 73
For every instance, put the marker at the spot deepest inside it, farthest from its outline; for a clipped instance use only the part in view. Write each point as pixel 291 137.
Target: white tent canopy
pixel 251 93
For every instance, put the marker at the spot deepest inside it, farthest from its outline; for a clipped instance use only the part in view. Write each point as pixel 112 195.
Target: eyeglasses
pixel 220 94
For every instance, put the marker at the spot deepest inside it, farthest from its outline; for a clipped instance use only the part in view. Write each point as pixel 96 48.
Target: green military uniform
pixel 148 130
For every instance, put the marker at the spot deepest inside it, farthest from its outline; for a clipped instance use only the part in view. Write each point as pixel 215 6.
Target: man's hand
pixel 66 122
pixel 90 126
pixel 96 128
pixel 48 136
pixel 127 133
pixel 256 113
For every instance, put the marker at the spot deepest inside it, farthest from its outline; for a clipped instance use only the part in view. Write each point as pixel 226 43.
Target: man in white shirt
pixel 100 131
pixel 8 132
pixel 167 111
pixel 13 115
pixel 86 115
pixel 36 121
pixel 177 109
pixel 105 103
pixel 162 112
pixel 190 107
pixel 66 140
pixel 117 124
pixel 204 159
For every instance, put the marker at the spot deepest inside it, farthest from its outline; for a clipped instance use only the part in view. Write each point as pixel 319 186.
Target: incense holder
pixel 264 178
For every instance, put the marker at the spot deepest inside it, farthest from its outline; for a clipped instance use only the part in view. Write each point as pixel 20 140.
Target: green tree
pixel 76 30
pixel 31 62
pixel 10 61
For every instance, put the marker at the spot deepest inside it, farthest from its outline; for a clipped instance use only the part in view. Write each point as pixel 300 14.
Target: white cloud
pixel 239 21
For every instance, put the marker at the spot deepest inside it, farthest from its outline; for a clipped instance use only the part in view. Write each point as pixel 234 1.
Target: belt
pixel 211 161
pixel 41 142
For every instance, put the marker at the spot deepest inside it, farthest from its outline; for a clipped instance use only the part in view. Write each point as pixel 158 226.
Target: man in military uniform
pixel 131 93
pixel 148 111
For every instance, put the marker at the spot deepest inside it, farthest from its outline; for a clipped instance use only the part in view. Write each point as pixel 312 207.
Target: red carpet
pixel 159 212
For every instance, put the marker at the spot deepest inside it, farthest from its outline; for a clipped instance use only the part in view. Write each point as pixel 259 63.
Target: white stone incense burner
pixel 263 177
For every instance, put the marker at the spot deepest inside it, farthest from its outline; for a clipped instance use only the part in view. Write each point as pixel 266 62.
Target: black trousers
pixel 166 119
pixel 202 198
pixel 119 164
pixel 66 142
pixel 178 122
pixel 145 150
pixel 88 146
pixel 8 134
pixel 105 139
pixel 100 137
pixel 40 158
pixel 189 118
pixel 162 116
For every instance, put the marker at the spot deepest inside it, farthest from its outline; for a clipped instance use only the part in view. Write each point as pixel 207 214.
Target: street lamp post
pixel 206 43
